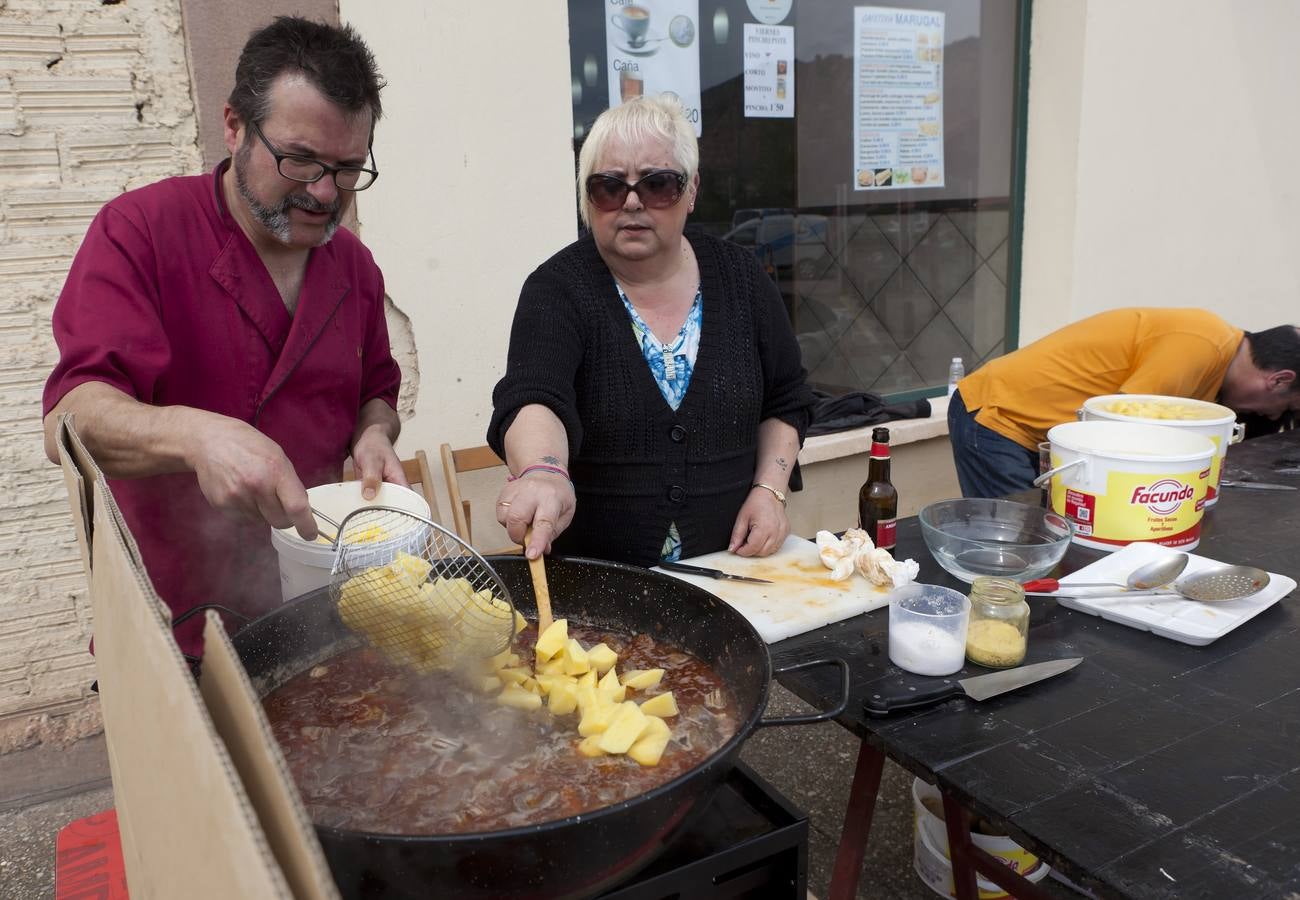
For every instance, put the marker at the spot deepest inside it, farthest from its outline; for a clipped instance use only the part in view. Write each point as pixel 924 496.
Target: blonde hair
pixel 638 120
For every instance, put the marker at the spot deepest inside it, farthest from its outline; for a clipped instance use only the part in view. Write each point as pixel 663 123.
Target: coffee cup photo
pixel 634 22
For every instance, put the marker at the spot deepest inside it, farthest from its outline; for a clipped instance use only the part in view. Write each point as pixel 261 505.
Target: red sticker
pixel 886 529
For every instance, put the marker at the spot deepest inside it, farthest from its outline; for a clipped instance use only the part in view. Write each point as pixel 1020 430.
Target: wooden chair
pixel 418 475
pixel 468 459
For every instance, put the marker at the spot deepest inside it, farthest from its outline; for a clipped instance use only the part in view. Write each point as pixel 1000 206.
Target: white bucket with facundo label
pixel 305 566
pixel 1216 422
pixel 1124 482
pixel 932 860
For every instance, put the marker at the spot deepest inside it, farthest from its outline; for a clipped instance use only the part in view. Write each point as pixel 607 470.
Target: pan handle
pixel 204 607
pixel 813 718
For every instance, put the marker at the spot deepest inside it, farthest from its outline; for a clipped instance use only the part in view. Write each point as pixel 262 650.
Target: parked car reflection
pixel 786 244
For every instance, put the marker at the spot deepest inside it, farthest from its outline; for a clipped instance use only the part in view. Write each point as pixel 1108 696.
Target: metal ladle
pixel 1155 574
pixel 1214 585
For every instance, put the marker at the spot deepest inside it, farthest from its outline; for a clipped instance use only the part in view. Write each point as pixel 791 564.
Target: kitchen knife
pixel 1257 485
pixel 709 573
pixel 981 687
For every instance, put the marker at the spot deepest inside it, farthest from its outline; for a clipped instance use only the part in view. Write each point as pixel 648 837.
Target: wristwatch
pixel 780 495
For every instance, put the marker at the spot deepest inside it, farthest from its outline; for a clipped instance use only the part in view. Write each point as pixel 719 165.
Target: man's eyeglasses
pixel 659 189
pixel 309 171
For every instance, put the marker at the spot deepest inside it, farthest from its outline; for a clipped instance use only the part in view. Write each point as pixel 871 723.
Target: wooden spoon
pixel 537 569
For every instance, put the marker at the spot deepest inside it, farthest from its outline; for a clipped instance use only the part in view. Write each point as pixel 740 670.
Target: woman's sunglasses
pixel 659 189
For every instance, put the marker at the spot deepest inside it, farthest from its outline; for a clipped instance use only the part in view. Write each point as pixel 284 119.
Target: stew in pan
pixel 375 747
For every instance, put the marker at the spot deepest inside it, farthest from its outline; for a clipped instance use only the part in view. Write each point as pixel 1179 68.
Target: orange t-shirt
pixel 1177 352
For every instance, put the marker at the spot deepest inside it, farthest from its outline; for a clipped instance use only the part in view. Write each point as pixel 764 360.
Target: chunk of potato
pixel 601 658
pixel 654 725
pixel 415 567
pixel 660 705
pixel 590 746
pixel 575 659
pixel 610 687
pixel 552 667
pixel 513 675
pixel 520 622
pixel 642 679
pixel 595 719
pixel 489 683
pixel 552 640
pixel 649 750
pixel 563 698
pixel 624 728
pixel 503 660
pixel 449 597
pixel 587 697
pixel 588 678
pixel 548 682
pixel 516 696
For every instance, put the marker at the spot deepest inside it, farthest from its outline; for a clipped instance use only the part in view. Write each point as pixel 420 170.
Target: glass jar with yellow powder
pixel 999 623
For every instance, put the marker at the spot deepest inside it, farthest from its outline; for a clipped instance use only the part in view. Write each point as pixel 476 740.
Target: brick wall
pixel 94 100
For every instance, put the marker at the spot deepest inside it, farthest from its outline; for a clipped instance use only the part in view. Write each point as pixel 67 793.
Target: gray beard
pixel 275 219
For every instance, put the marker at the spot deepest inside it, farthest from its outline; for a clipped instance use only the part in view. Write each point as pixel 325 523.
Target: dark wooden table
pixel 1153 769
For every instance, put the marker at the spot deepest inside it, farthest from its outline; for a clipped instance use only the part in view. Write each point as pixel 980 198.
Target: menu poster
pixel 769 71
pixel 653 49
pixel 897 98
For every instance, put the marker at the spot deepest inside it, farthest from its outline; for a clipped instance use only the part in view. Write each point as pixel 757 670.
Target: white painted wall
pixel 1162 139
pixel 94 100
pixel 475 152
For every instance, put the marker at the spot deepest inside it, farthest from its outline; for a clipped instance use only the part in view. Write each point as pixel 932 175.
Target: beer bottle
pixel 878 499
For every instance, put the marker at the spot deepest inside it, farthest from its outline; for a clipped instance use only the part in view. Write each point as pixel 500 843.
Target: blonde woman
pixel 653 402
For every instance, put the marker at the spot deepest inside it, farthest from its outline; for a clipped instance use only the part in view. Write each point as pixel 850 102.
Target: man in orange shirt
pixel 1000 412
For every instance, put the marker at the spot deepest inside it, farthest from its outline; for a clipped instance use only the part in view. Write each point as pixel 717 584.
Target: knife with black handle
pixel 981 687
pixel 709 573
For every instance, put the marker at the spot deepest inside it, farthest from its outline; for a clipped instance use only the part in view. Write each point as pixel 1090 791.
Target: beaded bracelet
pixel 541 467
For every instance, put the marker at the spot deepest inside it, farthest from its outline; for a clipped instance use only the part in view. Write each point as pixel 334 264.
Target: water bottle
pixel 956 372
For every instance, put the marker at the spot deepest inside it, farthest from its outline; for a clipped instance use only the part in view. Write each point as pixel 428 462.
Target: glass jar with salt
pixel 998 634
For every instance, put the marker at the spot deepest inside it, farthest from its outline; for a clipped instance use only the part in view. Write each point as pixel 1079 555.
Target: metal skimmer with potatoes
pixel 418 593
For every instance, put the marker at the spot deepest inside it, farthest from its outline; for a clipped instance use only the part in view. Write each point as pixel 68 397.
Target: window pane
pixel 884 287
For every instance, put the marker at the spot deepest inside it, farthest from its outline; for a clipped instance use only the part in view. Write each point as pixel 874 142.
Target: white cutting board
pixel 801 596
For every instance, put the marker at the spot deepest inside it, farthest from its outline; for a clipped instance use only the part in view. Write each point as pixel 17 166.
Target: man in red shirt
pixel 222 340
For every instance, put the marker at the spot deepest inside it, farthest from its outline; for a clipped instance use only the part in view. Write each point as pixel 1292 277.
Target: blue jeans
pixel 988 464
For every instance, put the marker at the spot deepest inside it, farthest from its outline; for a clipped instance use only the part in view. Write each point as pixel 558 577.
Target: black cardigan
pixel 637 464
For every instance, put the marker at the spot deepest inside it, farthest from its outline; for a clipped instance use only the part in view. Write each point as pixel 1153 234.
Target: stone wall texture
pixel 95 99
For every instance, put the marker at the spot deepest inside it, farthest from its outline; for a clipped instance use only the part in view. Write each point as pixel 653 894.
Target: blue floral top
pixel 671 365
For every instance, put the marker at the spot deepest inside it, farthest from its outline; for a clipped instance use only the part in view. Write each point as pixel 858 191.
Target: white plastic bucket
pixel 932 861
pixel 306 566
pixel 1124 482
pixel 1218 423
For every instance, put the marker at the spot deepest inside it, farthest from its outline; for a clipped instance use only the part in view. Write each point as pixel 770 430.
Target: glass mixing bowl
pixel 974 536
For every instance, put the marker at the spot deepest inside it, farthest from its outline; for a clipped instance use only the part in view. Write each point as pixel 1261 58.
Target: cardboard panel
pixel 188 828
pixel 77 468
pixel 237 714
